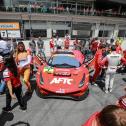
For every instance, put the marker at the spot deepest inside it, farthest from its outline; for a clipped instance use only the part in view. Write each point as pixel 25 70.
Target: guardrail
pixel 59 10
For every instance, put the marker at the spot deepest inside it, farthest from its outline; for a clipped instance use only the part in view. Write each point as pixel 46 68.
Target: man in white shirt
pixel 112 60
pixel 59 43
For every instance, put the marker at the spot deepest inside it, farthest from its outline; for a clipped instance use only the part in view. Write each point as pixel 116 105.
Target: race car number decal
pixel 48 69
pixel 61 80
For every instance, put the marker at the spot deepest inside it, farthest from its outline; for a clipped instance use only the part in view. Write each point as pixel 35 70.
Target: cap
pixel 1 59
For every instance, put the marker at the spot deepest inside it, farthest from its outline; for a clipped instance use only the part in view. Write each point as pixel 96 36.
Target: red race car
pixel 63 75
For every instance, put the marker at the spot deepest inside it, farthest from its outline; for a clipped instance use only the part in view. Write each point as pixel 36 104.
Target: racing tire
pixel 82 97
pixel 39 94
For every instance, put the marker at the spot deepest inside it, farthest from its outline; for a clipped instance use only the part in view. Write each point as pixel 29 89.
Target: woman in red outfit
pixel 75 43
pixel 118 47
pixel 66 43
pixel 52 45
pixel 111 115
pixel 13 83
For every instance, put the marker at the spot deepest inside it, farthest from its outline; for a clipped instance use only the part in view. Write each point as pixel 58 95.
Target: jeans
pixel 2 86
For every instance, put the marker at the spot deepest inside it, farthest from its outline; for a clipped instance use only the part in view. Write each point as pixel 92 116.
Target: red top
pixel 98 58
pixel 67 42
pixel 95 62
pixel 122 102
pixel 118 49
pixel 124 53
pixel 76 42
pixel 93 117
pixel 51 43
pixel 8 76
pixel 94 45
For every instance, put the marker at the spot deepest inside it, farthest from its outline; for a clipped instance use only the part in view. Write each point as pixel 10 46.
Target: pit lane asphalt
pixel 60 112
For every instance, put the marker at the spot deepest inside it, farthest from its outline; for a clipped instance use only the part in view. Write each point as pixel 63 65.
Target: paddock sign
pixel 10 30
pixel 9 26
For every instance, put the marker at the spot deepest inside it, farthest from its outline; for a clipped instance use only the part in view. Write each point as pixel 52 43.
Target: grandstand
pixel 82 18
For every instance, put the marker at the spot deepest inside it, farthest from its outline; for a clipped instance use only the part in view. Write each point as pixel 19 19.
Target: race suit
pixel 97 58
pixel 94 46
pixel 52 45
pixel 119 49
pixel 66 44
pixel 112 60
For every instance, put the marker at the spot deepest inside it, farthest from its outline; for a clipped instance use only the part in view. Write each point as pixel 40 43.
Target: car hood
pixel 61 77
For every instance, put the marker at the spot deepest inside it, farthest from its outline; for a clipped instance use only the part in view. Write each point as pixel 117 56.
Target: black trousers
pixel 18 92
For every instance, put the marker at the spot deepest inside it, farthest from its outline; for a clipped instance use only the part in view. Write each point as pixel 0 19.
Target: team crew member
pixel 23 59
pixel 94 45
pixel 75 43
pixel 66 43
pixel 52 45
pixel 111 115
pixel 112 60
pixel 118 47
pixel 40 44
pixel 98 57
pixel 59 43
pixel 32 46
pixel 67 36
pixel 13 83
pixel 14 46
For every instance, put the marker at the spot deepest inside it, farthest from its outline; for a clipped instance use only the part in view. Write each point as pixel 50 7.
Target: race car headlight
pixel 41 79
pixel 82 81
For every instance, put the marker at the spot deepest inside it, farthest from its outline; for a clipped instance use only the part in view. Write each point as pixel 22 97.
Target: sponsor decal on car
pixel 62 73
pixel 48 69
pixel 61 80
pixel 60 90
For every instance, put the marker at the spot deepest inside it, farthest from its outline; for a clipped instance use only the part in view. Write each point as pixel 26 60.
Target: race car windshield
pixel 64 62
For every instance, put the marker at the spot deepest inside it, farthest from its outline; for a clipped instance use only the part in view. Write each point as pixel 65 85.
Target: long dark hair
pixel 11 65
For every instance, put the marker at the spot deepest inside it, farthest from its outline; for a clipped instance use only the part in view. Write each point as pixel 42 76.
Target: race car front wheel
pixel 84 96
pixel 39 94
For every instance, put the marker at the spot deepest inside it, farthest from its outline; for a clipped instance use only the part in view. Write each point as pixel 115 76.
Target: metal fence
pixel 62 10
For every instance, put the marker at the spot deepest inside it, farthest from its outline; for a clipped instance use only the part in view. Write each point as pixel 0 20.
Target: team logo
pixel 61 80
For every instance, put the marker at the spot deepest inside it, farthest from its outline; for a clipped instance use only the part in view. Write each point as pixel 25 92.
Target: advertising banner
pixel 9 26
pixel 3 33
pixel 14 34
pixel 10 34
